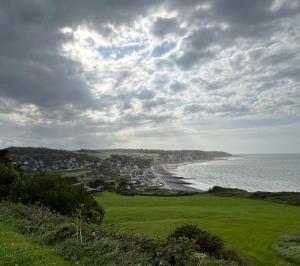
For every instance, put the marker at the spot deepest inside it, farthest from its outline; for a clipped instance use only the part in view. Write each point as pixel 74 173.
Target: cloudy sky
pixel 168 74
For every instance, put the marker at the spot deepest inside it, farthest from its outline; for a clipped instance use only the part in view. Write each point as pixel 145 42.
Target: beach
pixel 171 181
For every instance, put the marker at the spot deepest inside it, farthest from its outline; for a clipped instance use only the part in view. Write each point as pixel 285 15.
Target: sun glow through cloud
pixel 162 74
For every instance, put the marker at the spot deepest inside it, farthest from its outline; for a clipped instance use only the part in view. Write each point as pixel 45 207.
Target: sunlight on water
pixel 250 172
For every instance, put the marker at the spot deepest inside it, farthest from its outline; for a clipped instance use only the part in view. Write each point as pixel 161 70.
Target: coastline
pixel 251 173
pixel 171 181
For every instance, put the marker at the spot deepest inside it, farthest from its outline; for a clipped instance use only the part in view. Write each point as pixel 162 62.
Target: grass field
pixel 250 226
pixel 15 249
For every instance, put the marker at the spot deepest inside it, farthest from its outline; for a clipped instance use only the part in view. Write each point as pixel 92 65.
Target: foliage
pixel 15 249
pixel 4 160
pixel 292 198
pixel 48 156
pixel 101 245
pixel 8 176
pixel 249 226
pixel 48 189
pixel 228 191
pixel 288 247
pixel 107 185
pixel 121 184
pixel 204 241
pixel 55 192
pixel 158 191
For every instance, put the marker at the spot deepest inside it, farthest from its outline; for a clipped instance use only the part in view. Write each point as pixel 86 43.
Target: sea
pixel 259 172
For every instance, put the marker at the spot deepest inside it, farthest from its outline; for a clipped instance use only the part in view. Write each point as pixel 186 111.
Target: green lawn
pixel 16 250
pixel 250 226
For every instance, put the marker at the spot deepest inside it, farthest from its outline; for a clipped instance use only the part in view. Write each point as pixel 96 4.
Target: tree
pixel 4 160
pixel 55 192
pixel 8 176
pixel 122 184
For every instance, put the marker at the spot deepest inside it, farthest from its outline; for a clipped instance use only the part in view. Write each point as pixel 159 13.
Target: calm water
pixel 250 172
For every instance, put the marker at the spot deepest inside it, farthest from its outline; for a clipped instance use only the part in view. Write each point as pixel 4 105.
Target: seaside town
pixel 96 171
pixel 85 170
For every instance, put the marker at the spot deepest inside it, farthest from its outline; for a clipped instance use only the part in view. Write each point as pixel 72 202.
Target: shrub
pixel 288 246
pixel 232 255
pixel 4 159
pixel 55 192
pixel 101 245
pixel 179 252
pixel 60 234
pixel 122 185
pixel 8 176
pixel 204 241
pixel 292 198
pixel 223 191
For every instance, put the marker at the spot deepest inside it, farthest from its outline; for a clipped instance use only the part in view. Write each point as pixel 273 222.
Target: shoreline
pixel 174 182
pixel 184 176
pixel 171 181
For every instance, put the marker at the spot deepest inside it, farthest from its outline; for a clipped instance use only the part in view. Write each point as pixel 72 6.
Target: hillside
pixel 45 159
pixel 16 249
pixel 34 158
pixel 249 226
pixel 161 155
pixel 33 236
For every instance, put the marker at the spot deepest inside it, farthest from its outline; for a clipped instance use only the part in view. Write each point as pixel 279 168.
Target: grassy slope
pixel 250 226
pixel 15 249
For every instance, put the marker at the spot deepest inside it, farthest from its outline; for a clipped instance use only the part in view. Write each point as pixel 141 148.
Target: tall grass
pixel 288 247
pixel 99 245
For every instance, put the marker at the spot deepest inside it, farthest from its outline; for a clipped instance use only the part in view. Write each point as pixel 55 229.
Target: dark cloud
pixel 252 13
pixel 220 58
pixel 178 87
pixel 244 12
pixel 47 82
pixel 164 26
pixel 31 69
pixel 203 37
pixel 192 57
pixel 243 19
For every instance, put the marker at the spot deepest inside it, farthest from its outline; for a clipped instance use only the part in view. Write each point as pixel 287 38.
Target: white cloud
pixel 139 80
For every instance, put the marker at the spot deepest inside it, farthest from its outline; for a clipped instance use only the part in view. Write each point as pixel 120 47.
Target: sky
pixel 168 74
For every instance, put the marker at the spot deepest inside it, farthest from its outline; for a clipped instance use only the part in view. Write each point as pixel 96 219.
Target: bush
pixel 180 252
pixel 223 191
pixel 292 198
pixel 60 234
pixel 4 159
pixel 8 176
pixel 204 241
pixel 232 255
pixel 288 246
pixel 122 185
pixel 55 192
pixel 101 245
